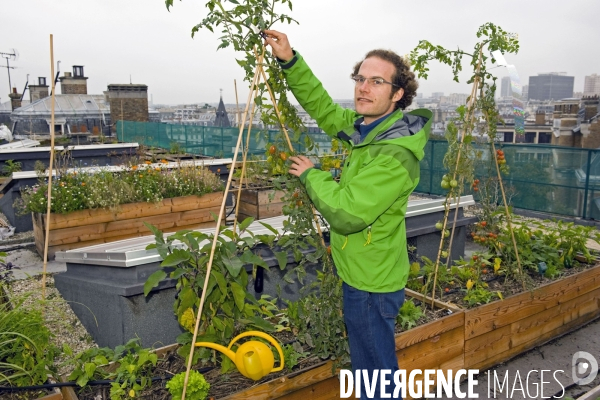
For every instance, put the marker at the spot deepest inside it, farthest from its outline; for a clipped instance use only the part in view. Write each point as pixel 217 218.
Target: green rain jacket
pixel 366 209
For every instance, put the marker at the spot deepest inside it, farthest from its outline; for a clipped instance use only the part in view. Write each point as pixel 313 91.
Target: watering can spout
pixel 253 359
pixel 229 353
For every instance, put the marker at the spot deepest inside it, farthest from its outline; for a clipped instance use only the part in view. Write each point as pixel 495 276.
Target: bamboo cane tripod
pixel 258 74
pixel 470 118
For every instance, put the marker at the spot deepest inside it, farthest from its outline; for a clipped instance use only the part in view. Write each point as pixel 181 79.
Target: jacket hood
pixel 409 130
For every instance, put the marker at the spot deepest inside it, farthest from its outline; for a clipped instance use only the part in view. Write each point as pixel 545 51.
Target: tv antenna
pixel 13 55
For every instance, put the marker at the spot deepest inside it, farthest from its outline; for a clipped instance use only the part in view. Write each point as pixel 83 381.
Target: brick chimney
pixel 540 118
pixel 128 102
pixel 74 83
pixel 590 105
pixel 15 99
pixel 38 91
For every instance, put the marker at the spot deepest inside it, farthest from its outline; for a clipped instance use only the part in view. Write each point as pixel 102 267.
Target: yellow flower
pixel 131 393
pixel 164 161
pixel 147 162
pixel 134 167
pixel 82 183
pixel 157 169
pixel 470 284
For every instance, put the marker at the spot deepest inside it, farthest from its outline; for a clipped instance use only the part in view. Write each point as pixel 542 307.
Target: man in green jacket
pixel 366 209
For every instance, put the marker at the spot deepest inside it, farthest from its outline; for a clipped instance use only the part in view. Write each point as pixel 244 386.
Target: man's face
pixel 371 101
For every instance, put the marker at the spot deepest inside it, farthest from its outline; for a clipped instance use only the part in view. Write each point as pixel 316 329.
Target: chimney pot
pixel 14 90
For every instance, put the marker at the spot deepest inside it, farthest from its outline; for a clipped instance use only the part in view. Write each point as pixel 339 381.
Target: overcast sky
pixel 116 39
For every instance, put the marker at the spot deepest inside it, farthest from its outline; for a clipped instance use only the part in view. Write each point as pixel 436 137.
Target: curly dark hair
pixel 403 77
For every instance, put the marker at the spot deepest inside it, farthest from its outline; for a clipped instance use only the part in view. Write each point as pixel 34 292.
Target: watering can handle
pixel 265 336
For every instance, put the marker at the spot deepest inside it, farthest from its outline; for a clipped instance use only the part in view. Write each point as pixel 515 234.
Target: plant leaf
pixel 281 257
pixel 153 281
pixel 239 294
pixel 175 258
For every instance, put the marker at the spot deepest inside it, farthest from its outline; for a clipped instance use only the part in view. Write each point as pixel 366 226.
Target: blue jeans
pixel 370 319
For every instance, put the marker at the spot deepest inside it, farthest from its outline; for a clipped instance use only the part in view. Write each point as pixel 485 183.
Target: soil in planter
pixel 24 394
pixel 510 286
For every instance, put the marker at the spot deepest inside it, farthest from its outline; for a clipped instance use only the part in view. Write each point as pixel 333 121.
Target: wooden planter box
pixel 500 330
pixel 256 203
pixel 90 227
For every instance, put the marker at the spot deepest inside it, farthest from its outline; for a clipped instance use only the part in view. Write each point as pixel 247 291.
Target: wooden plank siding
pixel 91 227
pixel 500 330
pixel 258 204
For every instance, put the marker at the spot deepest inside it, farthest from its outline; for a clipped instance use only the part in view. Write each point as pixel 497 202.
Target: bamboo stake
pixel 507 211
pixel 244 172
pixel 216 236
pixel 50 170
pixel 245 152
pixel 237 103
pixel 274 101
pixel 471 110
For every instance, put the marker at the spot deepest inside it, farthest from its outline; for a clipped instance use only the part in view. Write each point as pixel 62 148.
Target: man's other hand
pixel 280 45
pixel 299 165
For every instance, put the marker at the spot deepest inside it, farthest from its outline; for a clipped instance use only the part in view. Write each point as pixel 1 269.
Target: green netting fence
pixel 203 140
pixel 544 178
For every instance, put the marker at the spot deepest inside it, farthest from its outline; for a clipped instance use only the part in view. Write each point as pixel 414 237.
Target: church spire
pixel 222 119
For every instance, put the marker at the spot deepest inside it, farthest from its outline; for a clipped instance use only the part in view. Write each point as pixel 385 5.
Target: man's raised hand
pixel 280 44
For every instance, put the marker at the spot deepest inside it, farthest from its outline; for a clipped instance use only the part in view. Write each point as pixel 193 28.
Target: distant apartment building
pixel 505 89
pixel 454 99
pixel 551 86
pixel 437 95
pixel 525 92
pixel 591 85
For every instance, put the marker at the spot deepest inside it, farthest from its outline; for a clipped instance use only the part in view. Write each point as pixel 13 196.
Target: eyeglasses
pixel 373 82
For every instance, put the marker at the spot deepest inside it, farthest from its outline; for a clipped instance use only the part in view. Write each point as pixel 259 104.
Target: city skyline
pixel 140 41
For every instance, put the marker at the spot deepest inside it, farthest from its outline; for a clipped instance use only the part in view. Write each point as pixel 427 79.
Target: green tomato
pixel 444 254
pixel 446 233
pixel 445 184
pixel 453 183
pixel 439 226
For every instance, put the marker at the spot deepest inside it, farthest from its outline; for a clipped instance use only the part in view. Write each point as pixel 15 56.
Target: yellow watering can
pixel 253 359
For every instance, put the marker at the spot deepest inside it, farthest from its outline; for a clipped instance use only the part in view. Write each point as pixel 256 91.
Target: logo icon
pixel 584 368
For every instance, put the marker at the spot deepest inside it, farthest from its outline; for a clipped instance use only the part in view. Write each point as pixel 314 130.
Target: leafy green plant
pixel 11 166
pixel 409 314
pixel 478 296
pixel 86 366
pixel 229 307
pixel 132 374
pixel 291 355
pixel 479 117
pixel 26 355
pixel 197 387
pixel 175 148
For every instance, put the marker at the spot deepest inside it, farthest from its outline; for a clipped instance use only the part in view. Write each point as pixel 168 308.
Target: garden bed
pixel 89 227
pixel 500 330
pixel 437 344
